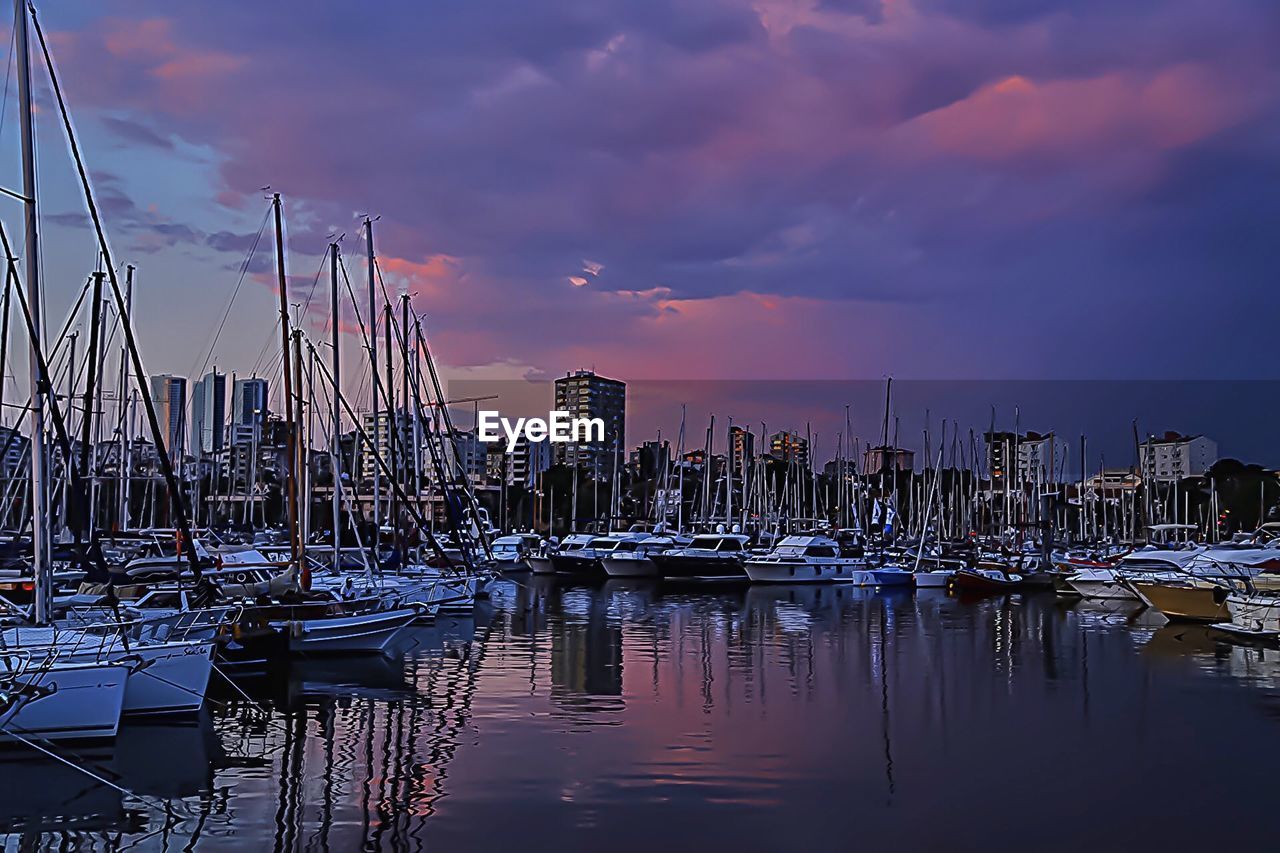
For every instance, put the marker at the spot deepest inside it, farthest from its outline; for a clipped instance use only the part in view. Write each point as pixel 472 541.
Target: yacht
pixel 707 557
pixel 1254 616
pixel 511 552
pixel 1112 584
pixel 542 564
pixel 587 559
pixel 167 677
pixel 634 559
pixel 805 559
pixel 1200 594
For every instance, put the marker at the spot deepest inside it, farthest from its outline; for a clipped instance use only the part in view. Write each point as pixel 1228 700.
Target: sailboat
pixel 45 694
pixel 44 698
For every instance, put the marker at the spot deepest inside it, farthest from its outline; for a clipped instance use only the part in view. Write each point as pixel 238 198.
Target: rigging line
pixel 244 269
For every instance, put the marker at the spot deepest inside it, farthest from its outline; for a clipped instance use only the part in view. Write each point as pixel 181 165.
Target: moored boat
pixel 985 580
pixel 51 700
pixel 804 559
pixel 637 561
pixel 709 557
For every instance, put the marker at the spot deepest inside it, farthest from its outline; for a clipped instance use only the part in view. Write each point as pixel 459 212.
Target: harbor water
pixel 625 716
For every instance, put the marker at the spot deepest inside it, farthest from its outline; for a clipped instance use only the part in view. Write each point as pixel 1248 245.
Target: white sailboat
pixel 47 696
pixel 47 699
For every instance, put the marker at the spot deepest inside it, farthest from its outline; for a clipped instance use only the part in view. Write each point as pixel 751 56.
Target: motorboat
pixel 1255 616
pixel 542 564
pixel 985 579
pixel 511 552
pixel 804 559
pixel 634 559
pixel 1112 584
pixel 1200 594
pixel 587 559
pixel 708 557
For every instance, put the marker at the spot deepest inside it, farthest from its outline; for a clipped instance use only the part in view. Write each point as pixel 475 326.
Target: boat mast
pixel 373 386
pixel 301 468
pixel 291 438
pixel 124 417
pixel 39 491
pixel 335 449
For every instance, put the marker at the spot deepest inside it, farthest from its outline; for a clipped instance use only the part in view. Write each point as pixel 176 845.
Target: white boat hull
pixel 173 679
pixel 1103 585
pixel 366 633
pixel 883 577
pixel 934 580
pixel 775 571
pixel 1253 616
pixel 630 568
pixel 84 702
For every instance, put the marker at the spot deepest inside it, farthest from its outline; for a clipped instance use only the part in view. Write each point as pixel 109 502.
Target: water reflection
pixel 628 716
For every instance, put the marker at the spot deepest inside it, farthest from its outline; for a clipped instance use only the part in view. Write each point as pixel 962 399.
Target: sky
pixel 779 189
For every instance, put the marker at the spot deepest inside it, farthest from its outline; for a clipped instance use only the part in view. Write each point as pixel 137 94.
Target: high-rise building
pixel 528 460
pixel 169 396
pixel 464 452
pixel 383 437
pixel 742 449
pixel 1175 457
pixel 248 410
pixel 208 414
pixel 583 394
pixel 1028 458
pixel 789 447
pixel 651 460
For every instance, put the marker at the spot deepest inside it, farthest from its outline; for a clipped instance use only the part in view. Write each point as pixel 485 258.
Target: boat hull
pixel 73 701
pixel 541 565
pixel 779 571
pixel 1253 616
pixel 982 584
pixel 574 564
pixel 642 567
pixel 365 633
pixel 934 580
pixel 689 569
pixel 173 679
pixel 1186 602
pixel 1097 586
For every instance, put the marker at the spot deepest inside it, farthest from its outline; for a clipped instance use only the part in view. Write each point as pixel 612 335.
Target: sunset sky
pixel 716 189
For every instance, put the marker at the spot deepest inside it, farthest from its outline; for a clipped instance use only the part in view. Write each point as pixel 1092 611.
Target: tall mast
pixel 31 260
pixel 124 418
pixel 404 402
pixel 291 479
pixel 301 469
pixel 335 449
pixel 373 385
pixel 394 472
pixel 728 473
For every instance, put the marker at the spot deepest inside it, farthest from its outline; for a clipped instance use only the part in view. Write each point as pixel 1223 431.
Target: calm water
pixel 623 718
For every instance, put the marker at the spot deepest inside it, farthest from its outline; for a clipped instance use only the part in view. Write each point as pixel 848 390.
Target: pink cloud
pixel 1075 119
